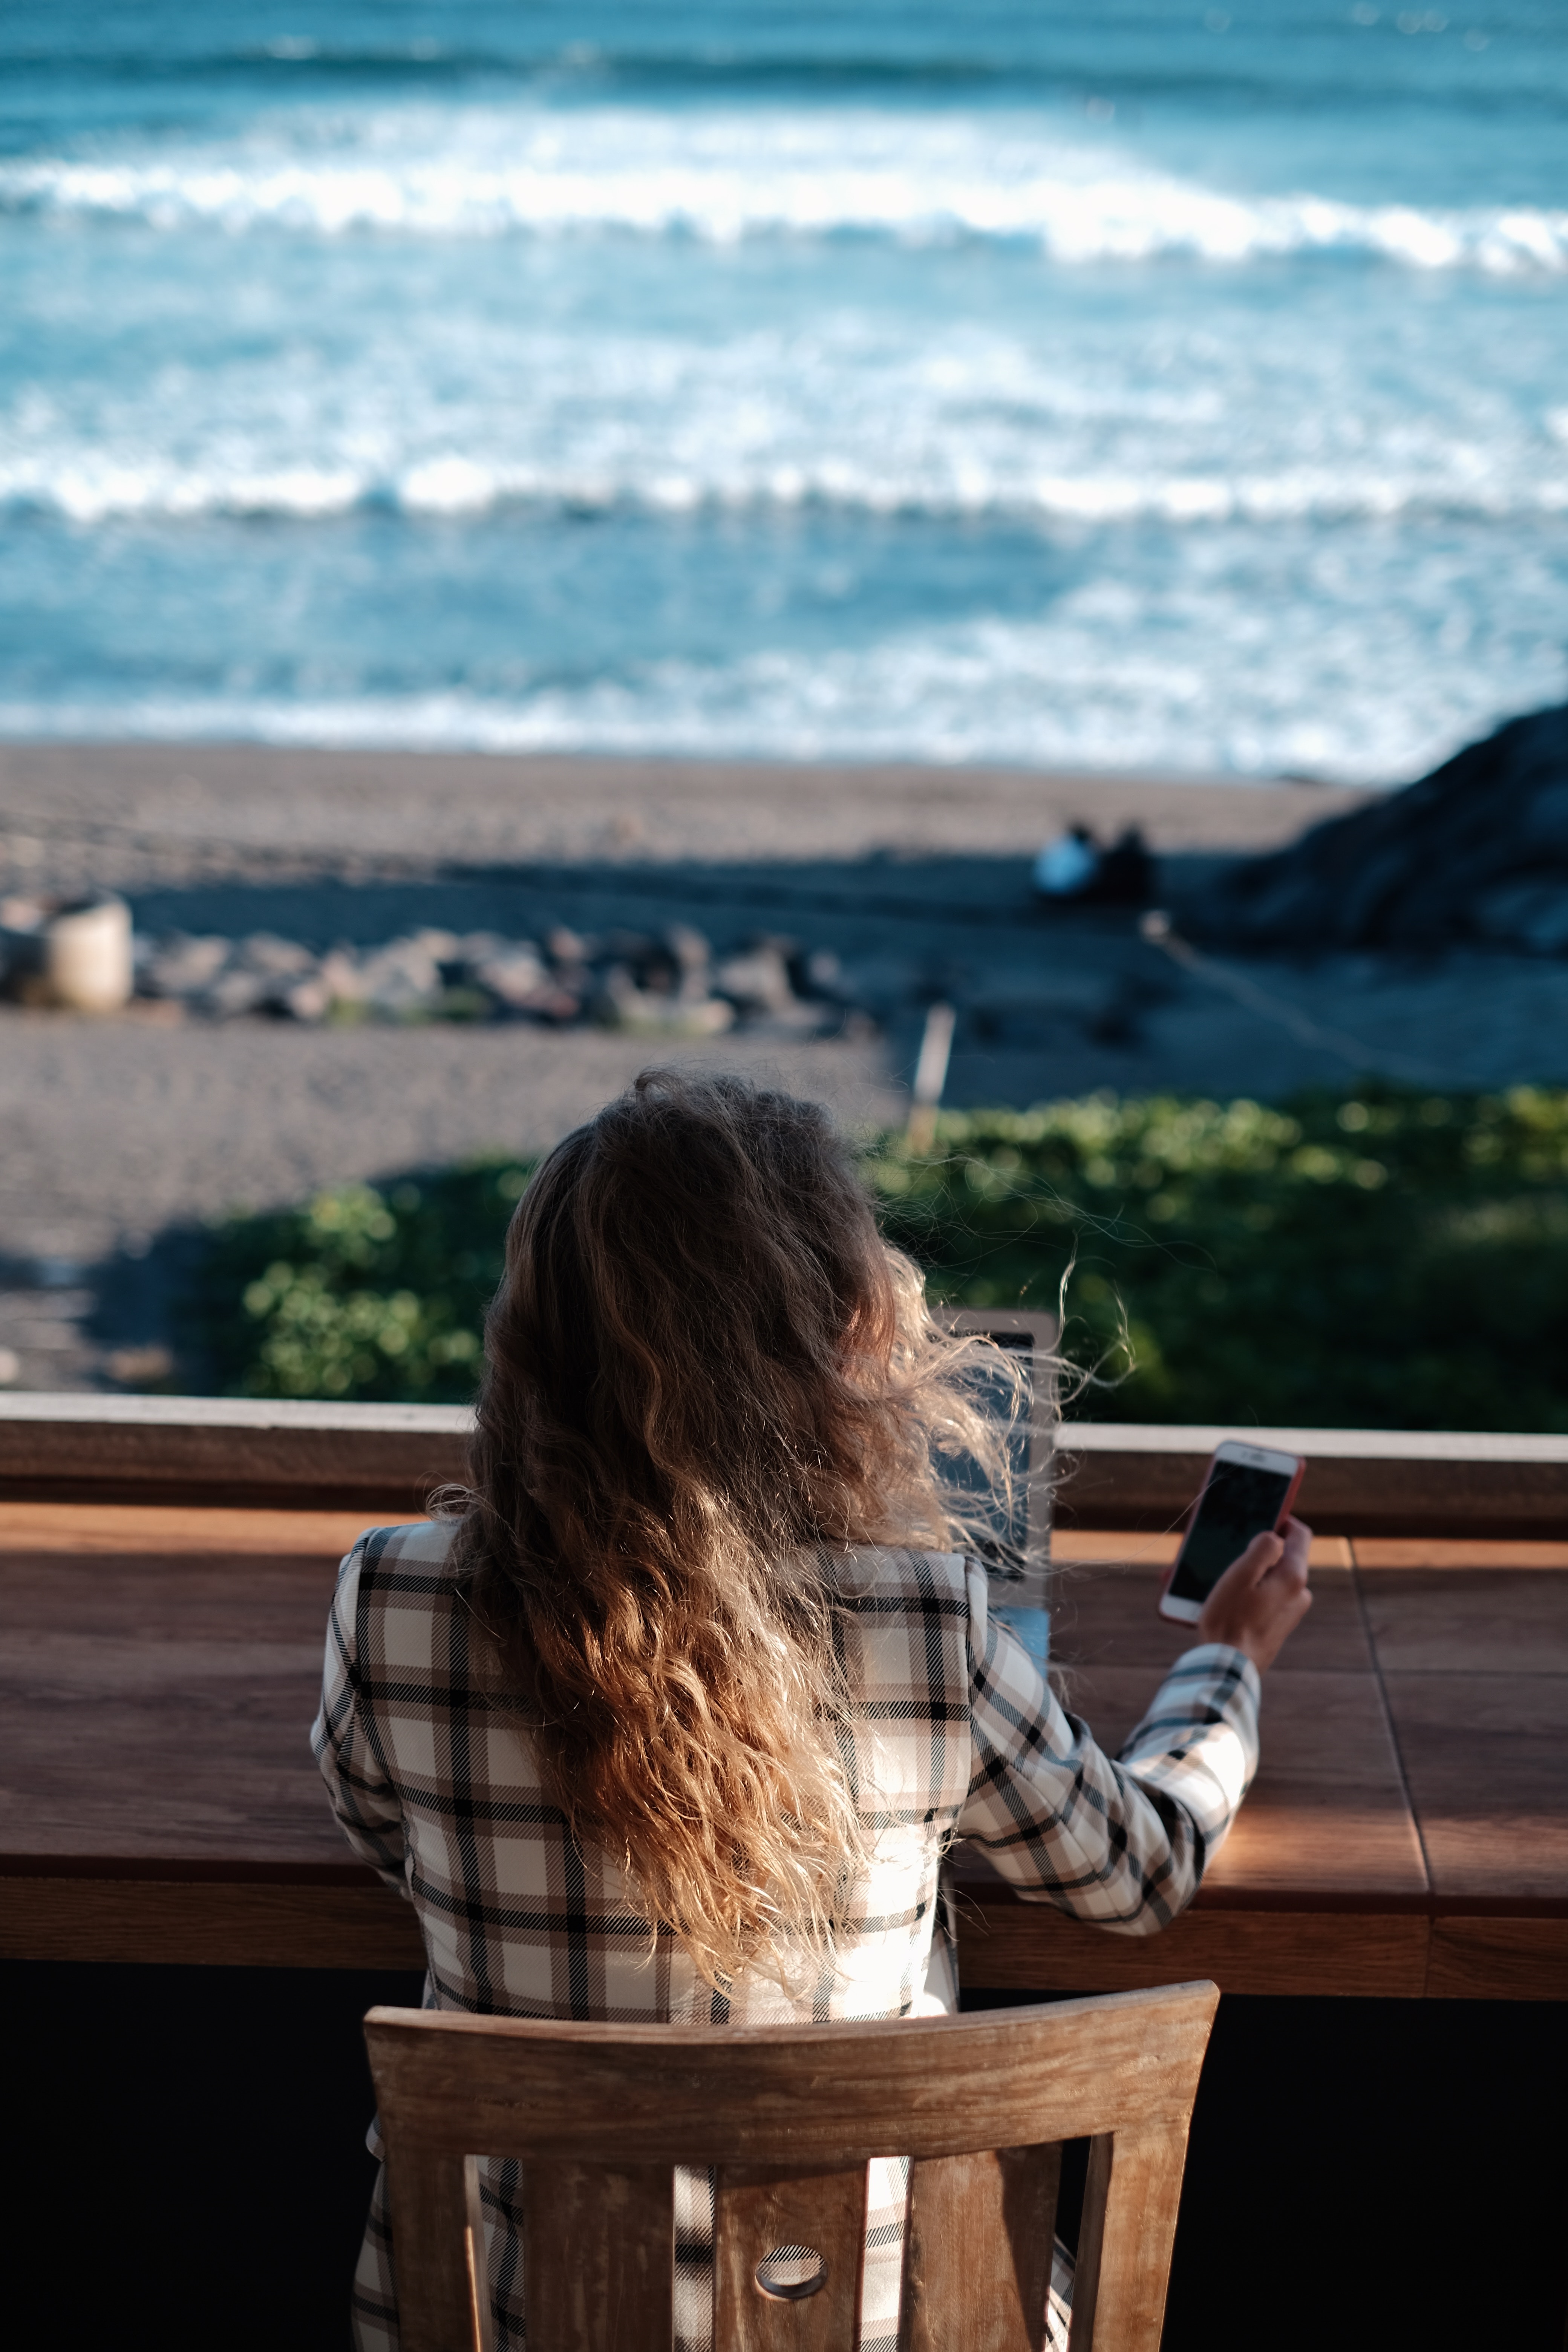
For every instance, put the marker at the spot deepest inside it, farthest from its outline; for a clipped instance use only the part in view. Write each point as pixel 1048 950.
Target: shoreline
pixel 134 813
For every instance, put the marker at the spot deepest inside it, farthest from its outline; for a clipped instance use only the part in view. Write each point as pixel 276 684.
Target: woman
pixel 675 1718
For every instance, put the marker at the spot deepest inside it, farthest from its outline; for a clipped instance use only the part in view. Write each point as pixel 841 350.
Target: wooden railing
pixel 1359 1482
pixel 1121 1475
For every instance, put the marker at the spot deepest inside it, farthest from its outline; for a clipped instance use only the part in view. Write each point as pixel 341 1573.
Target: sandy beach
pixel 134 815
pixel 114 1130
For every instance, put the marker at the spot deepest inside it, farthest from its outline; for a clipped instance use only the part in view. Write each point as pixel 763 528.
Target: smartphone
pixel 1249 1490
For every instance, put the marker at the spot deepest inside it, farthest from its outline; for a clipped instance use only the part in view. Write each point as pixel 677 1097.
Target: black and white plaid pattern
pixel 955 1733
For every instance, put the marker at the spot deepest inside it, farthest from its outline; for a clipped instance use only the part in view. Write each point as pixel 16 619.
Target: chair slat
pixel 1130 2204
pixel 760 2207
pixel 598 2258
pixel 977 2251
pixel 438 2248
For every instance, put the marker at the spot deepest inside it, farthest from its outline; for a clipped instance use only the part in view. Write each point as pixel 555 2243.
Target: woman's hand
pixel 1262 1596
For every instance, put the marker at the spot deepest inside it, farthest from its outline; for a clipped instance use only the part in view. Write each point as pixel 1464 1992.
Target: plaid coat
pixel 955 1734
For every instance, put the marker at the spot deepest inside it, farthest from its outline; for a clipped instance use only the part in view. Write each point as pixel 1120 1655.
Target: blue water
pixel 1123 382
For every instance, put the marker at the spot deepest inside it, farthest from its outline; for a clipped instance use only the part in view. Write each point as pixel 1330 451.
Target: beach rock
pixel 235 991
pixel 265 953
pixel 310 998
pixel 645 983
pixel 619 1002
pixel 180 966
pixel 1477 853
pixel 657 985
pixel 403 980
pixel 339 972
pixel 693 958
pixel 757 979
pixel 568 949
pixel 515 974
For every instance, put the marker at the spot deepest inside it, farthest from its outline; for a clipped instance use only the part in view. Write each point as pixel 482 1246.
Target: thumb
pixel 1254 1563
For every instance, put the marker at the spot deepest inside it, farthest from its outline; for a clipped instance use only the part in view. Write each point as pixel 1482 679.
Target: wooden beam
pixel 229 1451
pixel 1359 1482
pixel 1029 1948
pixel 1118 1476
pixel 207 1922
pixel 1498 1959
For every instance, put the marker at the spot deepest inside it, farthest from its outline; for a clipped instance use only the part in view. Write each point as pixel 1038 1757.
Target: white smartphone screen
pixel 1240 1501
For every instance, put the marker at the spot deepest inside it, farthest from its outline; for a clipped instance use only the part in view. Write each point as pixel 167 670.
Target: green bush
pixel 1391 1260
pixel 1385 1260
pixel 367 1292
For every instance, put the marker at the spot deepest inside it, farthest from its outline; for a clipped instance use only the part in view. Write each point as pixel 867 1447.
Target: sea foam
pixel 726 177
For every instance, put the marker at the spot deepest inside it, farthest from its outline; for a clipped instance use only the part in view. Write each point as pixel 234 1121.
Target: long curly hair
pixel 707 1375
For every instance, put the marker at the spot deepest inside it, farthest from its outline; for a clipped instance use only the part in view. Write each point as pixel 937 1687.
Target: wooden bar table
pixel 165 1572
pixel 1407 1835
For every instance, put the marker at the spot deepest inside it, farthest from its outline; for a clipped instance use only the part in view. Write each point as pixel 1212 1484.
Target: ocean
pixel 1130 385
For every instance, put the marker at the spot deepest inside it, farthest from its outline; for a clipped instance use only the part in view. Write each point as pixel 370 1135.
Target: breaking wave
pixel 724 177
pixel 88 490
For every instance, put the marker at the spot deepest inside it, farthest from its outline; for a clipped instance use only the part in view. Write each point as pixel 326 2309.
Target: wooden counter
pixel 1407 1835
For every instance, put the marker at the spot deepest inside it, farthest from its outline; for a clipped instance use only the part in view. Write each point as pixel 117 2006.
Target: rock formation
pixel 1476 854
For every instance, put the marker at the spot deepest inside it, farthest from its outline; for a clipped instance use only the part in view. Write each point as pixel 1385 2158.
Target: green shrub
pixel 1389 1260
pixel 367 1292
pixel 1385 1260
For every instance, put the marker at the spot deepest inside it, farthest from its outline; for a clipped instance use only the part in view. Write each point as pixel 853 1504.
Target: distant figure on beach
pixel 1076 867
pixel 674 1714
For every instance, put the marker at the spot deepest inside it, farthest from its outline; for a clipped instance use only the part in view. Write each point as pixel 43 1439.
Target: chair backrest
pixel 598 2116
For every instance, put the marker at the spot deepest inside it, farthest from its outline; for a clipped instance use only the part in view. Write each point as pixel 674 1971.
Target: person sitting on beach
pixel 674 1714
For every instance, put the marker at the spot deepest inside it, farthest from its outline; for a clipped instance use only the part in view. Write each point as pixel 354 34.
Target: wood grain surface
pixel 1499 1621
pixel 1486 1760
pixel 160 1665
pixel 1328 1813
pixel 1455 1552
pixel 977 2250
pixel 762 2209
pixel 209 1922
pixel 1012 1947
pixel 218 1450
pixel 171 1530
pixel 1474 1665
pixel 1498 1959
pixel 598 2248
pixel 158 1707
pixel 1359 1482
pixel 813 2096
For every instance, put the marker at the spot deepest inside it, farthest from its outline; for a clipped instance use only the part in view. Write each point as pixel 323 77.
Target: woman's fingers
pixel 1295 1549
pixel 1262 1596
pixel 1261 1554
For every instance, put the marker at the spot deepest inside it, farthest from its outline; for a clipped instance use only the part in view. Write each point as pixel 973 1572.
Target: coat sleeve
pixel 344 1738
pixel 1121 1841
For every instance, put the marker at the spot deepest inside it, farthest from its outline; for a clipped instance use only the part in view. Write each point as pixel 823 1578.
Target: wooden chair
pixel 598 2114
